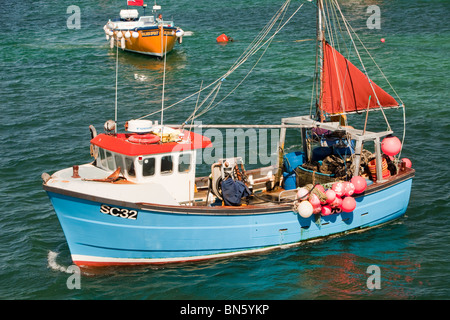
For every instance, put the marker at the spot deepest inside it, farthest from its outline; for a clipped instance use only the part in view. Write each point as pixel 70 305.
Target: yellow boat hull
pixel 151 41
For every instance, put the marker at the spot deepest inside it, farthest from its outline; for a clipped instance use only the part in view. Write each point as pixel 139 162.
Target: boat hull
pixel 150 41
pixel 101 232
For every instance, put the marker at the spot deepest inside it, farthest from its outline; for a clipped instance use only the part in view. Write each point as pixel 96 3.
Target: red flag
pixel 346 88
pixel 135 2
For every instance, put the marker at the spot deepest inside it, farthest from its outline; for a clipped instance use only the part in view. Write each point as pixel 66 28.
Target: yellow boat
pixel 148 35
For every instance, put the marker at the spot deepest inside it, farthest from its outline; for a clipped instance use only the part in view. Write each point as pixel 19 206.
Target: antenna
pixel 164 77
pixel 117 72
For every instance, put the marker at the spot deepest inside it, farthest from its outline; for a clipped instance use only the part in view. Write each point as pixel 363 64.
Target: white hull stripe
pixel 108 260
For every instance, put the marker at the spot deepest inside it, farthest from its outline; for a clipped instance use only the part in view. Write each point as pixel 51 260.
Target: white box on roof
pixel 129 14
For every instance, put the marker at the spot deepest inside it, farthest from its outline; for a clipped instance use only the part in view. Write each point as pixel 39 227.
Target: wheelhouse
pixel 152 154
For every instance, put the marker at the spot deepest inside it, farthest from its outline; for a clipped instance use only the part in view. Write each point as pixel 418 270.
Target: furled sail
pixel 346 88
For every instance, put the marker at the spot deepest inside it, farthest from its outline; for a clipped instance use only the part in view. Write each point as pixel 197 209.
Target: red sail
pixel 135 2
pixel 346 88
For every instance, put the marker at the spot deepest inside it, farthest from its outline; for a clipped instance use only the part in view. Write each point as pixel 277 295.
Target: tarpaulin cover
pixel 233 192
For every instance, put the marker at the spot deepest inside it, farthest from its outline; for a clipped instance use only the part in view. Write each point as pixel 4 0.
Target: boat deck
pixel 262 196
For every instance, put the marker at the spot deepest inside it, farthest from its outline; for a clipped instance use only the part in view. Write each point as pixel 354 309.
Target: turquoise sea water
pixel 55 82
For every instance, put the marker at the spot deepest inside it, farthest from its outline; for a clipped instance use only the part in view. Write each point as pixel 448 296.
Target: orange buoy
pixel 222 38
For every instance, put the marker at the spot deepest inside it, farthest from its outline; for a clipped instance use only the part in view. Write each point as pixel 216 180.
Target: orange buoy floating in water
pixel 223 38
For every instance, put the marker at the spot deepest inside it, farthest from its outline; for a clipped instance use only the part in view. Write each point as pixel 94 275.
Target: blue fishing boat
pixel 140 202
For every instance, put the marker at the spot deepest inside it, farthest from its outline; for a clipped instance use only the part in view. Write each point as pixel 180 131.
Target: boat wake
pixel 51 259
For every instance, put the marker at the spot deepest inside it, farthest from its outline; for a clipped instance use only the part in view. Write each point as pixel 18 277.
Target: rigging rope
pixel 252 49
pixel 255 48
pixel 347 26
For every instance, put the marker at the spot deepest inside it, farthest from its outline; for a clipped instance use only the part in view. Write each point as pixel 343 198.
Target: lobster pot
pixel 305 176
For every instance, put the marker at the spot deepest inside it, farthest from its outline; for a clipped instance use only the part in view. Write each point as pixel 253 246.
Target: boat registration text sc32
pixel 119 212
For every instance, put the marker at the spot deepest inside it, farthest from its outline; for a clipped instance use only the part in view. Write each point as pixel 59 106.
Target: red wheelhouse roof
pixel 119 143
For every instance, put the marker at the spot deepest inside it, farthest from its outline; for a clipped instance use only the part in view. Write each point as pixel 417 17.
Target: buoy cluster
pixel 318 200
pixel 120 35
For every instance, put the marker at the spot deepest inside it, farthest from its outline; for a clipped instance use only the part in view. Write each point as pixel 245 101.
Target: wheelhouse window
pixel 119 162
pixel 109 160
pixel 102 158
pixel 129 165
pixel 184 162
pixel 148 167
pixel 166 164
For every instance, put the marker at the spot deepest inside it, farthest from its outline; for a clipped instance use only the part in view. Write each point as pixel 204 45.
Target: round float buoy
pixel 305 209
pixel 348 204
pixel 382 40
pixel 222 38
pixel 391 145
pixel 360 184
pixel 407 162
pixel 338 188
pixel 144 138
pixel 336 204
pixel 326 210
pixel 331 195
pixel 349 188
pixel 320 188
pixel 314 200
pixel 302 193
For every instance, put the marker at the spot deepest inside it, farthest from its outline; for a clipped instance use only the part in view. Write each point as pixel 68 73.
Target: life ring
pixel 144 138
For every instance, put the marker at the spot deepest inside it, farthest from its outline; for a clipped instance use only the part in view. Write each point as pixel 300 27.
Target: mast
pixel 319 58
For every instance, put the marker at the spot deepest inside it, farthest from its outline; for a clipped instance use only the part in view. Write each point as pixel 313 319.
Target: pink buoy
pixel 317 209
pixel 348 204
pixel 338 188
pixel 349 188
pixel 336 203
pixel 391 145
pixel 326 210
pixel 320 188
pixel 382 40
pixel 359 183
pixel 305 209
pixel 302 193
pixel 314 200
pixel 407 162
pixel 331 195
